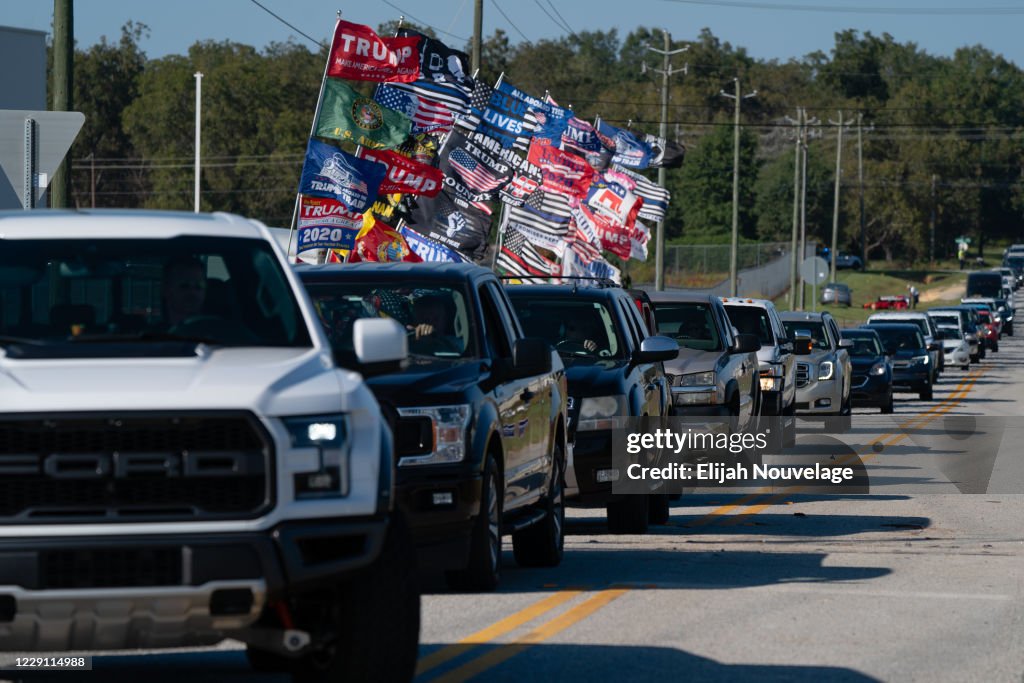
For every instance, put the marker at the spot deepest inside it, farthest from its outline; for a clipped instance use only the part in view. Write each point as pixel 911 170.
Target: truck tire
pixel 888 408
pixel 377 619
pixel 483 571
pixel 926 394
pixel 628 514
pixel 658 508
pixel 543 544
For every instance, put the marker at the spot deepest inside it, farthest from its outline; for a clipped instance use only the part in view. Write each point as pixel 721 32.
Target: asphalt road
pixel 920 580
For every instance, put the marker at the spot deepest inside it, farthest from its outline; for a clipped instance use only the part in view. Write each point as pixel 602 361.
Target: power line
pixel 511 23
pixel 554 21
pixel 288 24
pixel 839 9
pixel 566 23
pixel 421 22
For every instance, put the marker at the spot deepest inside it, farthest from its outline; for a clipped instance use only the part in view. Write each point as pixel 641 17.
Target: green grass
pixel 867 286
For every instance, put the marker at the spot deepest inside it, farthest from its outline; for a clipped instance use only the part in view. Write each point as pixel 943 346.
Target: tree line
pixel 943 145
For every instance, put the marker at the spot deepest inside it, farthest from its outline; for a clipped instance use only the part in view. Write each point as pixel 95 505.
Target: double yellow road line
pixel 745 507
pixel 506 650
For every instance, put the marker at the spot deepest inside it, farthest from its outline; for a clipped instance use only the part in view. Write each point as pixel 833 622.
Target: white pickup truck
pixel 181 459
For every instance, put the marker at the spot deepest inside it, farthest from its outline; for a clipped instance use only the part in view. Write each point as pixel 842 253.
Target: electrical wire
pixel 566 23
pixel 839 9
pixel 554 21
pixel 511 23
pixel 421 22
pixel 289 25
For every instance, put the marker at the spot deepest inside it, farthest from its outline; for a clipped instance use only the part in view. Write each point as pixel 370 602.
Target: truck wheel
pixel 542 544
pixel 887 409
pixel 484 569
pixel 995 346
pixel 926 395
pixel 627 514
pixel 658 510
pixel 377 619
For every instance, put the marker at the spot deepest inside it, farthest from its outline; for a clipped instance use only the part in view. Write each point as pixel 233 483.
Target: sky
pixel 768 29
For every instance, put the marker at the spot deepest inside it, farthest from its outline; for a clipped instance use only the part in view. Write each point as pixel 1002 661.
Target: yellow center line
pixel 717 515
pixel 496 630
pixel 954 400
pixel 537 635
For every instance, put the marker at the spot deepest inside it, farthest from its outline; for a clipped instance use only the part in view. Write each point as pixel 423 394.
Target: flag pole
pixel 312 130
pixel 501 232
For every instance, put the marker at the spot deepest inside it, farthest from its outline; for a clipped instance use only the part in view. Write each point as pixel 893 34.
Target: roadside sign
pixel 52 132
pixel 814 270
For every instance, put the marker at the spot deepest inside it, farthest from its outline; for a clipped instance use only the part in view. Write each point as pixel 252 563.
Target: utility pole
pixel 478 29
pixel 793 260
pixel 835 206
pixel 199 111
pixel 931 224
pixel 665 71
pixel 860 183
pixel 63 83
pixel 804 134
pixel 734 250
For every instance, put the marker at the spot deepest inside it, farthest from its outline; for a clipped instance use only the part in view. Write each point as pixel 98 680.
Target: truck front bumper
pixel 118 592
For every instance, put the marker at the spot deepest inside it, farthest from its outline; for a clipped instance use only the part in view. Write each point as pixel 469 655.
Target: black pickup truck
pixel 478 412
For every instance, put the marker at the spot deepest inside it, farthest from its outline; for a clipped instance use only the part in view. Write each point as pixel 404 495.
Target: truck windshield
pixel 896 339
pixel 691 324
pixel 437 319
pixel 69 298
pixel 984 285
pixel 752 320
pixel 575 327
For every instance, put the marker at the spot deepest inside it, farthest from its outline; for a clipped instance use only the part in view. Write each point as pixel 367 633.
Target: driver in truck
pixel 183 290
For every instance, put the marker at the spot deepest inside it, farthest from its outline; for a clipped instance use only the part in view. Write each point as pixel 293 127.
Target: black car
pixel 479 412
pixel 615 370
pixel 911 363
pixel 872 372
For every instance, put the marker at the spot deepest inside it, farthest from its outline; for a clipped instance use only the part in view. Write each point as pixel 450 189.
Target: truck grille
pixel 803 373
pixel 134 467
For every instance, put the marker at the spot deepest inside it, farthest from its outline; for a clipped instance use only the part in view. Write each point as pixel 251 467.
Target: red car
pixel 990 329
pixel 889 303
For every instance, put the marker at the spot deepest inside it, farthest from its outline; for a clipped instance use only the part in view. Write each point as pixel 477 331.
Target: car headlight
pixel 877 369
pixel 826 370
pixel 449 425
pixel 924 360
pixel 696 379
pixel 325 433
pixel 599 412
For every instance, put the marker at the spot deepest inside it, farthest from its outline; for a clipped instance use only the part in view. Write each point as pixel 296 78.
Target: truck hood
pixel 269 381
pixel 426 377
pixel 594 377
pixel 692 360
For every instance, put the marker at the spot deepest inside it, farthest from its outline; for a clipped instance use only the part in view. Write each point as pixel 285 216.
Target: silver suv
pixel 824 373
pixel 777 363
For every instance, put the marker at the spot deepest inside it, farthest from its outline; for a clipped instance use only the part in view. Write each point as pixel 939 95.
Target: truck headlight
pixel 771 377
pixel 695 379
pixel 599 412
pixel 923 360
pixel 325 433
pixel 826 370
pixel 449 427
pixel 877 369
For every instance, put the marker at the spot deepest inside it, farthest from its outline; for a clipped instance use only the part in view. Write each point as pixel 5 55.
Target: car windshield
pixel 752 320
pixel 896 339
pixel 921 323
pixel 437 320
pixel 948 332
pixel 819 339
pixel 575 327
pixel 691 324
pixel 945 319
pixel 69 298
pixel 864 346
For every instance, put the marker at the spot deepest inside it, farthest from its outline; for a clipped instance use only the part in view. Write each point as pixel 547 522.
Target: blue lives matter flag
pixel 331 172
pixel 627 149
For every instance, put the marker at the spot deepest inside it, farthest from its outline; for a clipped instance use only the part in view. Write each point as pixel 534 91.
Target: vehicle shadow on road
pixel 798 524
pixel 563 662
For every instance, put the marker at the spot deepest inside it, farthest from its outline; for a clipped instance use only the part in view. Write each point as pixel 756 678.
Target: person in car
pixel 582 333
pixel 431 328
pixel 183 290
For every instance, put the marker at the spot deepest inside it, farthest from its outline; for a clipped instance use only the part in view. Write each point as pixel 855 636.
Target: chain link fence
pixel 763 268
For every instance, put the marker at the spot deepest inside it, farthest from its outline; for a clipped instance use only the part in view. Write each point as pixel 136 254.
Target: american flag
pixel 544 211
pixel 518 256
pixel 656 198
pixel 474 174
pixel 427 116
pixel 451 95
